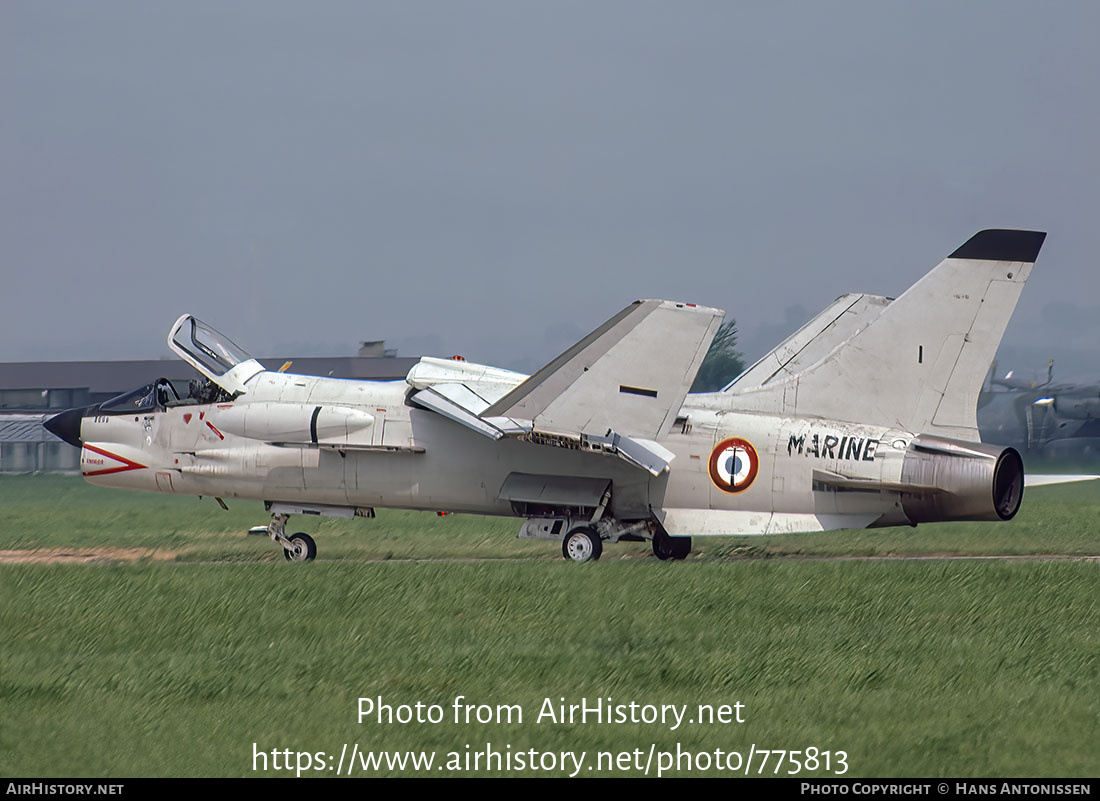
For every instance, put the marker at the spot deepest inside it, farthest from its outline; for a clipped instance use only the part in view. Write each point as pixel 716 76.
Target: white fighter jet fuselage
pixel 865 417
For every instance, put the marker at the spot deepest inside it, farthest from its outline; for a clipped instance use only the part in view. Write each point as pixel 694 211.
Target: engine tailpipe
pixel 957 480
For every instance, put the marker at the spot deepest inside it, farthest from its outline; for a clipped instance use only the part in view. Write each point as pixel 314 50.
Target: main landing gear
pixel 584 540
pixel 582 544
pixel 298 547
pixel 666 547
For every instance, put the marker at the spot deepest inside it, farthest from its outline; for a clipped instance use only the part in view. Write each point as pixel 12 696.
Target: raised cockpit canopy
pixel 216 351
pixel 213 354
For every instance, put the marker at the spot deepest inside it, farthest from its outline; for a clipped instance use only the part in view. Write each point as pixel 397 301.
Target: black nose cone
pixel 66 426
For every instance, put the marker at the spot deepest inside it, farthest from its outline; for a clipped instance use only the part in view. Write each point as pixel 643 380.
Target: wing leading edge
pixel 616 391
pixel 630 376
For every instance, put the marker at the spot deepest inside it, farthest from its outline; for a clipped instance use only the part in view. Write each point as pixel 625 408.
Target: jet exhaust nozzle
pixel 957 480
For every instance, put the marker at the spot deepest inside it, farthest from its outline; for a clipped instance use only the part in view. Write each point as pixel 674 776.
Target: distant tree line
pixel 723 361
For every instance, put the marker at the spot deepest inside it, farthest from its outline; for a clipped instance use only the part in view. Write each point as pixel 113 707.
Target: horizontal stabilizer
pixel 629 376
pixel 1040 480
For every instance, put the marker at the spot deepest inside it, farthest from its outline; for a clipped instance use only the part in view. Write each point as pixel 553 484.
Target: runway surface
pixel 104 556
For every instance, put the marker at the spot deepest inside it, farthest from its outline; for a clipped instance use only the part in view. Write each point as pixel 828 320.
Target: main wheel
pixel 666 547
pixel 582 544
pixel 303 548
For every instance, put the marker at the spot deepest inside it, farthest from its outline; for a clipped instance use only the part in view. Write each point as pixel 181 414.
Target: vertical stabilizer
pixel 809 344
pixel 919 365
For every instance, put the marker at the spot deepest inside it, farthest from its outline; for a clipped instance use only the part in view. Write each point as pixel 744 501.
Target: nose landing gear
pixel 298 547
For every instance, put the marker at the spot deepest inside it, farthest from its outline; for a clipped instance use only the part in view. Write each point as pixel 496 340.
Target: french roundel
pixel 733 465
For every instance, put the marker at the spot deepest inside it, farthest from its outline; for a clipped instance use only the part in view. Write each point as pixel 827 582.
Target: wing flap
pixel 457 402
pixel 644 453
pixel 449 401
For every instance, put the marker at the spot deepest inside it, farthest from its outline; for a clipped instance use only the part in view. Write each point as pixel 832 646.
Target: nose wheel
pixel 298 547
pixel 302 548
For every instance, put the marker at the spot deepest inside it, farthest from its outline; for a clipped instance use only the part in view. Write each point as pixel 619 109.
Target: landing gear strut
pixel 298 547
pixel 666 547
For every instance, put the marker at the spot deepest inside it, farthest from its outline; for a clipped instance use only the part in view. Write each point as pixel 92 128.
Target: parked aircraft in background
pixel 1045 418
pixel 865 417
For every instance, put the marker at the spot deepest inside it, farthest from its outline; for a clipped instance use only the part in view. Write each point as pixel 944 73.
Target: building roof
pixel 119 376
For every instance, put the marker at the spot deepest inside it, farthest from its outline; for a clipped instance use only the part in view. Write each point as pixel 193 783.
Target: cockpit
pixel 157 395
pixel 226 365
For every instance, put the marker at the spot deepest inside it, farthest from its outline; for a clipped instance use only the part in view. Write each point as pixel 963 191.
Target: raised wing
pixel 629 376
pixel 616 391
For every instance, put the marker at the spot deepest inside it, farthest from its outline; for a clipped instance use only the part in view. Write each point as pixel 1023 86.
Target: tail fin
pixel 630 375
pixel 919 365
pixel 812 342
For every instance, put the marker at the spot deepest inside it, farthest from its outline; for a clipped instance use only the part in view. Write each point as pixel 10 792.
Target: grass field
pixel 913 668
pixel 65 512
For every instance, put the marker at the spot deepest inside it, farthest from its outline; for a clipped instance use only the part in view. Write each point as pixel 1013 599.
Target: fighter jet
pixel 863 418
pixel 1047 418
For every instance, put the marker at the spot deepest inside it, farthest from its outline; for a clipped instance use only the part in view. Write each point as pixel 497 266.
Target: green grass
pixel 913 669
pixel 66 512
pixel 929 668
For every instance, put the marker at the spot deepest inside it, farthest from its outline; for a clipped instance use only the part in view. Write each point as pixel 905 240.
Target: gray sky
pixel 495 179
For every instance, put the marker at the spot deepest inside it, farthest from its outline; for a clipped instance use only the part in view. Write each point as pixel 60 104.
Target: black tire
pixel 582 544
pixel 305 549
pixel 666 547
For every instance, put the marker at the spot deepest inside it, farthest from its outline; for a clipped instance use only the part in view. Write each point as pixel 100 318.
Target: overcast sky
pixel 495 179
